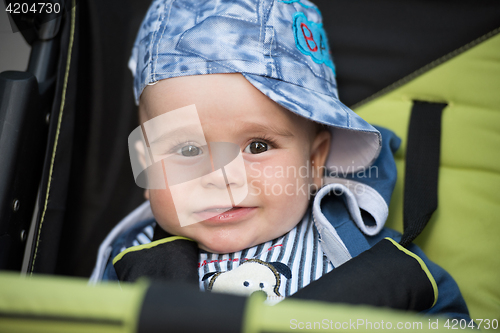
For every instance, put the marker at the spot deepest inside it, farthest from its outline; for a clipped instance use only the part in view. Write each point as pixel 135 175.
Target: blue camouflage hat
pixel 279 46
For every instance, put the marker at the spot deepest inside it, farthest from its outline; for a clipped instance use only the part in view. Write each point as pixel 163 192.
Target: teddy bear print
pixel 251 276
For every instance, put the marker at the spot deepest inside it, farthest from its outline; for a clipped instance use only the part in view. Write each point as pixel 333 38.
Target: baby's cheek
pixel 253 169
pixel 297 192
pixel 160 196
pixel 163 208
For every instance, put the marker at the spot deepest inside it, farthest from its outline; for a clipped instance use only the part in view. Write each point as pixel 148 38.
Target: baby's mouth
pixel 225 214
pixel 217 210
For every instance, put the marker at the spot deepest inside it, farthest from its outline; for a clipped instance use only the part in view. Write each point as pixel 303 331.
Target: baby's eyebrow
pixel 177 133
pixel 267 128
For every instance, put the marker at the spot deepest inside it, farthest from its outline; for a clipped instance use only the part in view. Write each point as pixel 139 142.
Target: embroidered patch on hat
pixel 310 39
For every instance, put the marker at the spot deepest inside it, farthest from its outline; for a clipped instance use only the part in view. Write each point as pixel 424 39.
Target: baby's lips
pixel 233 214
pixel 219 209
pixel 211 212
pixel 214 209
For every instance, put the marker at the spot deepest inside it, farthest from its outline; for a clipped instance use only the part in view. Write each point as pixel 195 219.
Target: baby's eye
pixel 190 151
pixel 256 147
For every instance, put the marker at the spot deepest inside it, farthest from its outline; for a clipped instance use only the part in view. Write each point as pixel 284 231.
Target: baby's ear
pixel 141 155
pixel 321 147
pixel 319 153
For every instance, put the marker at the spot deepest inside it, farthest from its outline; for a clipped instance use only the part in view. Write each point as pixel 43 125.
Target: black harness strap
pixel 422 168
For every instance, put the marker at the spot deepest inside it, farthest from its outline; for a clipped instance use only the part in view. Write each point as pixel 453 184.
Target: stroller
pixel 66 179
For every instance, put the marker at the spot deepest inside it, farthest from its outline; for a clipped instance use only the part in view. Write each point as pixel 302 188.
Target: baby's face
pixel 278 149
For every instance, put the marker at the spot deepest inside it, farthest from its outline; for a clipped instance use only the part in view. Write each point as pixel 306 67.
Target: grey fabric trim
pixel 141 213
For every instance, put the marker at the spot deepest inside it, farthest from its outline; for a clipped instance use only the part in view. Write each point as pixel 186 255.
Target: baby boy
pixel 240 121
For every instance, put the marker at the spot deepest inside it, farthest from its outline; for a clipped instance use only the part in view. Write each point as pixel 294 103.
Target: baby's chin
pixel 217 249
pixel 224 247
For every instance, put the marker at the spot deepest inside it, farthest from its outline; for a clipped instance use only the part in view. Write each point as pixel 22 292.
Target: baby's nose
pixel 215 179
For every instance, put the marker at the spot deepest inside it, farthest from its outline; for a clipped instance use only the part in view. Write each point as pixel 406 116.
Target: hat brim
pixel 355 144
